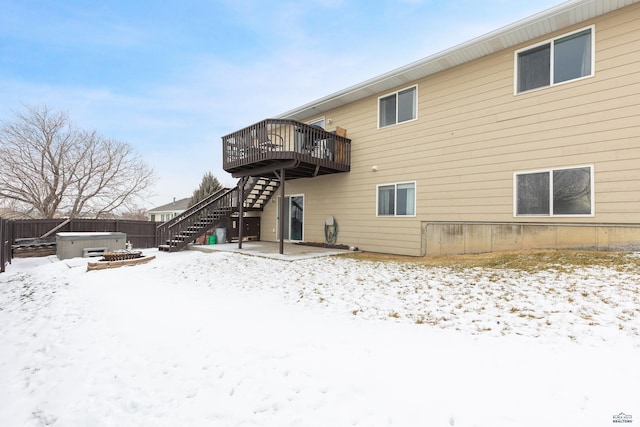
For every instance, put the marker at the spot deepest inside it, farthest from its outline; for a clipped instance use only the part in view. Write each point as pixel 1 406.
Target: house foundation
pixel 448 238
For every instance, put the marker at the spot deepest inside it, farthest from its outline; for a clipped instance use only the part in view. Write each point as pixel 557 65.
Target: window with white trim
pixel 396 199
pixel 398 107
pixel 317 122
pixel 555 61
pixel 554 192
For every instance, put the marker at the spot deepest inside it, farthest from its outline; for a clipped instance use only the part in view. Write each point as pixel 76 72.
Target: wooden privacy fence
pixel 141 234
pixel 6 231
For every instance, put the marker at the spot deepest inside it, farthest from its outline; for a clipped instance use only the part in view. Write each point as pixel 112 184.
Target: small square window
pixel 398 107
pixel 397 199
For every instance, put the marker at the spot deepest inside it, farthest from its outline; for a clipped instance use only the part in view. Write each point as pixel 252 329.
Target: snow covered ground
pixel 224 339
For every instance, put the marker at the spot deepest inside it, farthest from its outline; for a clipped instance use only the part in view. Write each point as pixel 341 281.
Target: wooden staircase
pixel 258 192
pixel 196 221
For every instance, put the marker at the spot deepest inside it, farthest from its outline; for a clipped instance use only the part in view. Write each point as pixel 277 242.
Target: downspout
pixel 424 233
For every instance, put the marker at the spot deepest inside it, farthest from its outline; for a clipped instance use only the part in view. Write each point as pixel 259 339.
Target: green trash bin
pixel 212 239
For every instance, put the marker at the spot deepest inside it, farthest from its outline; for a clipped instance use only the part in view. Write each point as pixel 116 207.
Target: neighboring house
pixel 527 137
pixel 170 210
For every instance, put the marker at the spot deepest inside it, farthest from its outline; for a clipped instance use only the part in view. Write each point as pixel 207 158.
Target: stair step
pixel 209 213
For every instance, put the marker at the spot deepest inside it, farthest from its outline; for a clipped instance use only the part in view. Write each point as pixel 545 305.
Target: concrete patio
pixel 292 251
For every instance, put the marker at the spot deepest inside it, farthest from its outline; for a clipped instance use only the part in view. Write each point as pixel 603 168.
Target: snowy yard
pixel 223 339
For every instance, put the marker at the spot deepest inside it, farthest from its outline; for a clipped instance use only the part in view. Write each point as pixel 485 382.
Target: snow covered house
pixel 526 137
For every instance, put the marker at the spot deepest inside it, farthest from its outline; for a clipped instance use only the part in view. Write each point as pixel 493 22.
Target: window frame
pixel 550 171
pixel 551 42
pixel 395 201
pixel 396 94
pixel 315 122
pixel 288 215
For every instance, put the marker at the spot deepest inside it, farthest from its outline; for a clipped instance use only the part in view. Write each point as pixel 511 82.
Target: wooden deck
pixel 303 150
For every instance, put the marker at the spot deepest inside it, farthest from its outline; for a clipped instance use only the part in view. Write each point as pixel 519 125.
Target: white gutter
pixel 548 21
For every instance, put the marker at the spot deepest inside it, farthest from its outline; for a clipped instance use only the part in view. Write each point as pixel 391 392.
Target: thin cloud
pixel 70 27
pixel 258 60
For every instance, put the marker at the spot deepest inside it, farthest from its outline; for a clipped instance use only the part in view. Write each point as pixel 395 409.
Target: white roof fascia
pixel 561 16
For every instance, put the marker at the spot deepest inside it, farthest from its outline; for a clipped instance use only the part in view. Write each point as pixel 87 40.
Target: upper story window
pixel 554 192
pixel 396 199
pixel 317 122
pixel 555 61
pixel 398 107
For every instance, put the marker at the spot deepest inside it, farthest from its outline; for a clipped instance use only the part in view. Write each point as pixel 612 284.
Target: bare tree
pixel 135 214
pixel 51 167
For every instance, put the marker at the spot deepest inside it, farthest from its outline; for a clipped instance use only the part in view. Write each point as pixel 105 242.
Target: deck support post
pixel 281 213
pixel 241 185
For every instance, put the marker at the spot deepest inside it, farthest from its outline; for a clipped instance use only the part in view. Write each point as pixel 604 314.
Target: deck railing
pixel 278 139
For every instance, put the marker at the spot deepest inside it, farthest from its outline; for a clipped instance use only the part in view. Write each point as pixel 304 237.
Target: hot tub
pixel 88 244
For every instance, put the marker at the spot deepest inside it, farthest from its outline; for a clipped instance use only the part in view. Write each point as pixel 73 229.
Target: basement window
pixel 554 192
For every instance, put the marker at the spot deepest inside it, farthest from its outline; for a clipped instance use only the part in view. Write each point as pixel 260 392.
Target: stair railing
pixel 179 231
pixel 195 221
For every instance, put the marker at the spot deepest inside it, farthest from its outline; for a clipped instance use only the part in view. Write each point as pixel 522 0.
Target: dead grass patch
pixel 526 260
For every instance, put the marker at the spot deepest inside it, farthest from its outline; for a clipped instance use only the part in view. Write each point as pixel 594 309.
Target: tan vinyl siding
pixel 473 133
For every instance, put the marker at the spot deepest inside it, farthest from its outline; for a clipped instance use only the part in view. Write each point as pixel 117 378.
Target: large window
pixel 396 199
pixel 555 61
pixel 554 192
pixel 397 107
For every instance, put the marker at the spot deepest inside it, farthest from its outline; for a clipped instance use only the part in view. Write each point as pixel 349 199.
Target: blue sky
pixel 172 77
